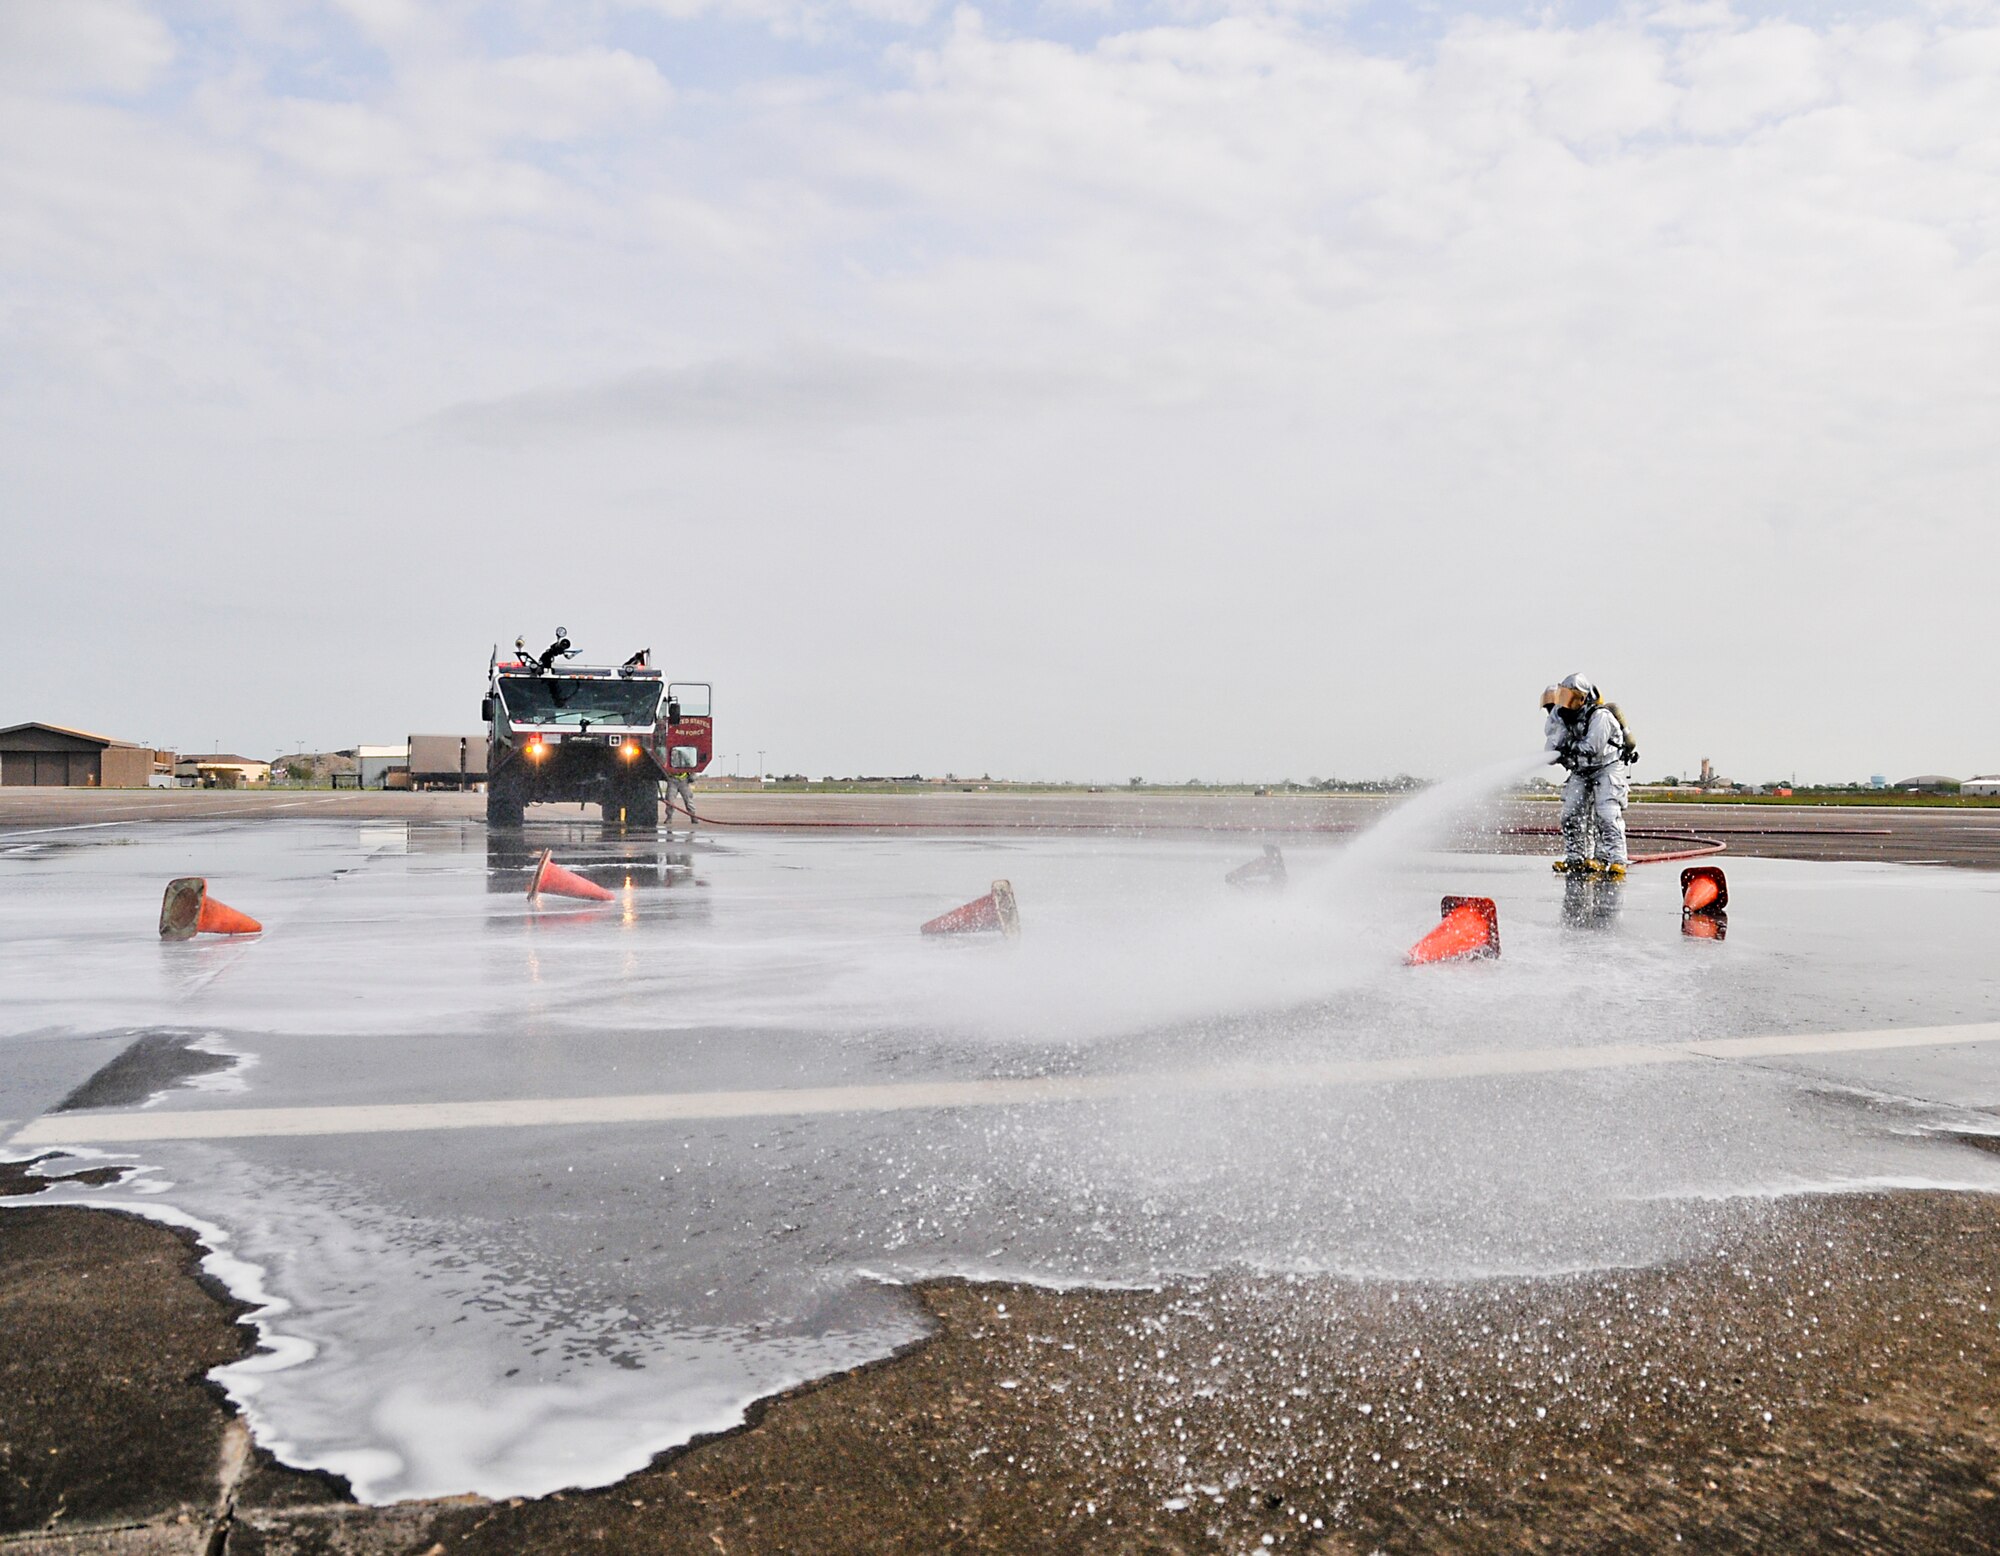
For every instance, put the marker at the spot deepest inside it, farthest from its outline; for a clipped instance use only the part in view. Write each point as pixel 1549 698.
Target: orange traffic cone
pixel 1704 889
pixel 552 878
pixel 1268 871
pixel 1471 928
pixel 995 910
pixel 187 910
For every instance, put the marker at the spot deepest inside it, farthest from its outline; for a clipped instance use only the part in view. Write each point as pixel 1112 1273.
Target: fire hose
pixel 1702 846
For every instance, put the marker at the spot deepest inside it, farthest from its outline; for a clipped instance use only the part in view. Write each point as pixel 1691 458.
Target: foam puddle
pixel 582 1398
pixel 513 1311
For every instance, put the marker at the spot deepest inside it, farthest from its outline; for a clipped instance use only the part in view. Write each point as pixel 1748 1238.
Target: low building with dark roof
pixel 56 756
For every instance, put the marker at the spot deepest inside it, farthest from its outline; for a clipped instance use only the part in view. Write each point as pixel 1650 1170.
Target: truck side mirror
pixel 673 710
pixel 486 710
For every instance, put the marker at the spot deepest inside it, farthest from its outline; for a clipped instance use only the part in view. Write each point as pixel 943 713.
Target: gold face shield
pixel 1548 697
pixel 1568 698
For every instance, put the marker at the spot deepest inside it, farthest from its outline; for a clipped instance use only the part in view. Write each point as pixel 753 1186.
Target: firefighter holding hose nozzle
pixel 1588 737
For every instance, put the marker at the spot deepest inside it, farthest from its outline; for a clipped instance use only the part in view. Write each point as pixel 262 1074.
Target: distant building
pixel 1984 786
pixel 1928 783
pixel 54 755
pixel 221 770
pixel 447 761
pixel 373 764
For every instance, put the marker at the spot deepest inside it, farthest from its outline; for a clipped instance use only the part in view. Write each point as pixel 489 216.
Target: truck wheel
pixel 505 806
pixel 638 796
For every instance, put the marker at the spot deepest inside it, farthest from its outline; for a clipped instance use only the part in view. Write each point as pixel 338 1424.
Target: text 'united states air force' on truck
pixel 557 731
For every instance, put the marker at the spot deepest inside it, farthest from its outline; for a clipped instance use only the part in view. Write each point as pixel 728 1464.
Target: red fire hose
pixel 1702 846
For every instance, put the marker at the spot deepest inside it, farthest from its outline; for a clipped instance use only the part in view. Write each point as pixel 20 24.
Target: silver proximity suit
pixel 1592 747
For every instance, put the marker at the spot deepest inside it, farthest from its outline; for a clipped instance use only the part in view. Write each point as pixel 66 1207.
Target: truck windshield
pixel 561 699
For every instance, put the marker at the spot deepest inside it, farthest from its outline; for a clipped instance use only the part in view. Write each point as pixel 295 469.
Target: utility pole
pixel 760 769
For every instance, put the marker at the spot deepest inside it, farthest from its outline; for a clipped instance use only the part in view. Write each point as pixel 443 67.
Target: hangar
pixel 51 755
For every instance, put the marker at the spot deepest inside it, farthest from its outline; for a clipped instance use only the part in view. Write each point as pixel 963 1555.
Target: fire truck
pixel 603 735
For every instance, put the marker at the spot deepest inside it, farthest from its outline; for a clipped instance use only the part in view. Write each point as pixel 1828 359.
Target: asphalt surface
pixel 523 1196
pixel 1958 835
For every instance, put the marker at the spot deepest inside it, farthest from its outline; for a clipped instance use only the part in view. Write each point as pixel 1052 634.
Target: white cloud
pixel 1586 87
pixel 535 97
pixel 463 111
pixel 800 386
pixel 71 45
pixel 399 24
pixel 808 19
pixel 1737 79
pixel 344 140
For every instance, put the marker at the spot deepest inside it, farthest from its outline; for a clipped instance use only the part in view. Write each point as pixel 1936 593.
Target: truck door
pixel 690 726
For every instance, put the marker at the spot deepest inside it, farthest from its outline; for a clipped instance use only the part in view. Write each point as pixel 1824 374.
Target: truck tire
pixel 505 804
pixel 638 797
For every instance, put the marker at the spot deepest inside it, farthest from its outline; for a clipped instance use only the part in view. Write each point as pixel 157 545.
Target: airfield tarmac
pixel 528 1198
pixel 1961 835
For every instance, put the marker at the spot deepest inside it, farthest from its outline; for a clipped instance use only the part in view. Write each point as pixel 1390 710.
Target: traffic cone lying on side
pixel 1704 895
pixel 1704 889
pixel 553 879
pixel 1267 872
pixel 187 910
pixel 1470 928
pixel 994 911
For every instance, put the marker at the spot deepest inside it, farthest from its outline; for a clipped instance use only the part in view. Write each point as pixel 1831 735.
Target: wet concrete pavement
pixel 468 1309
pixel 1958 835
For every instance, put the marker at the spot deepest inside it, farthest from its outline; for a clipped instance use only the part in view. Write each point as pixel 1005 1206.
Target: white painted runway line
pixel 799 1102
pixel 74 826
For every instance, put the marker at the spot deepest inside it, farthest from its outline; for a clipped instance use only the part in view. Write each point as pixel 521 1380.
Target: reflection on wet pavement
pixel 619 862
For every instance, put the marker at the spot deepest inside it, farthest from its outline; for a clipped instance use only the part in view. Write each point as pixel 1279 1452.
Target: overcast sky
pixel 1080 389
